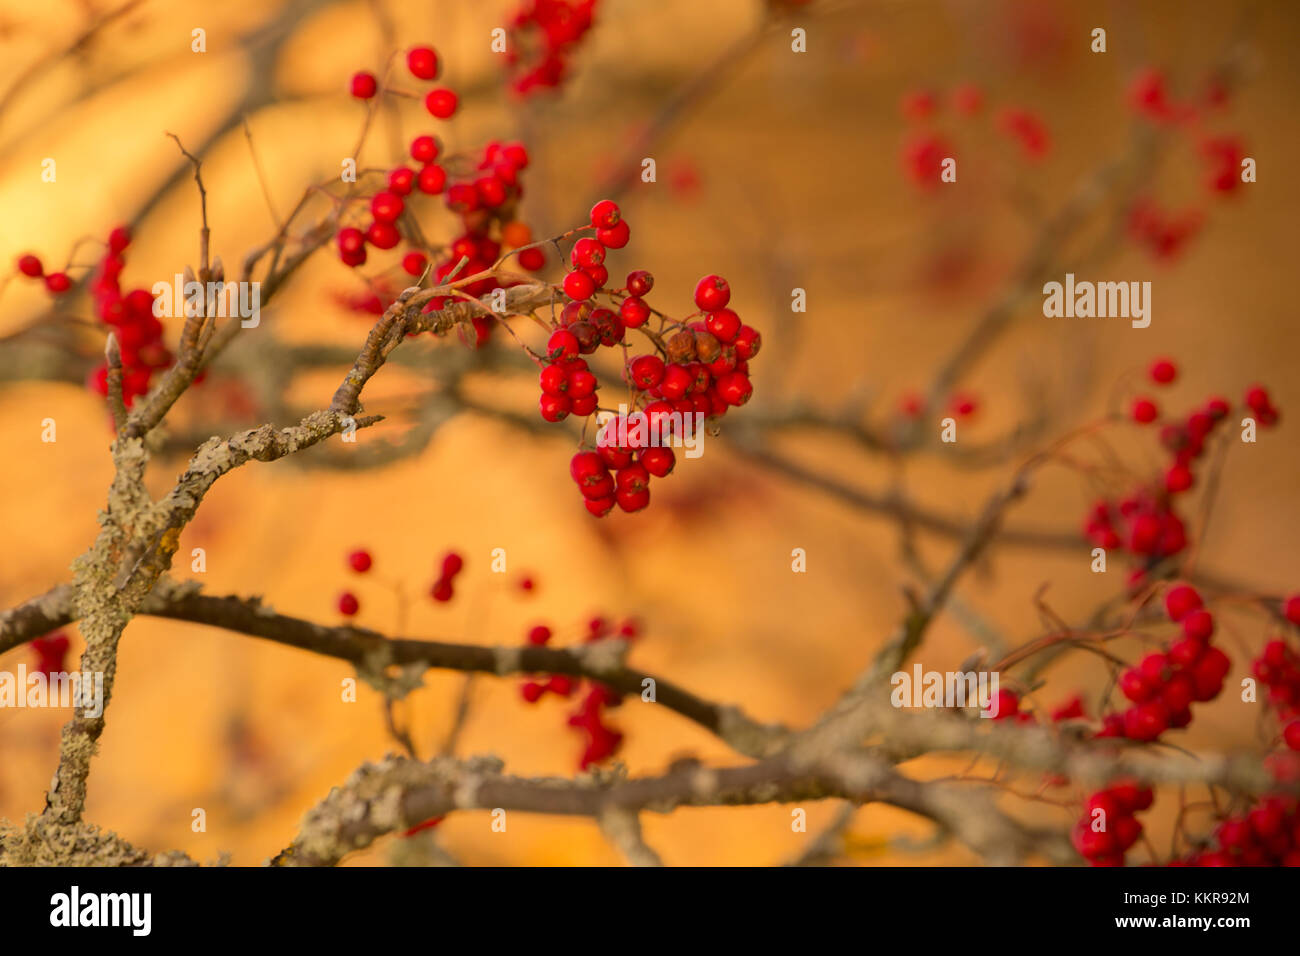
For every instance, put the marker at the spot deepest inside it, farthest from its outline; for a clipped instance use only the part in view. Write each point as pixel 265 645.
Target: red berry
pixel 1178 478
pixel 676 382
pixel 554 380
pixel 118 240
pixel 630 500
pixel 1144 410
pixel 401 180
pixel 640 282
pixel 587 252
pixel 348 604
pixel 360 561
pixel 441 103
pixel 562 344
pixel 599 275
pixel 605 214
pixel 422 62
pixel 586 467
pixel 582 384
pixel 30 266
pixel 531 691
pixel 539 634
pixel 413 263
pixel 633 312
pixel 1186 652
pixel 747 343
pixel 647 371
pixel 58 283
pixel 1291 609
pixel 432 179
pixel 613 456
pixel 386 206
pixel 452 564
pixel 615 236
pixel 578 285
pixel 724 324
pixel 1198 625
pixel 600 506
pixel 424 149
pixel 712 293
pixel 734 388
pixel 383 235
pixel 364 85
pixel 1181 601
pixel 658 461
pixel 1163 371
pixel 1291 734
pixel 1146 721
pixel 555 408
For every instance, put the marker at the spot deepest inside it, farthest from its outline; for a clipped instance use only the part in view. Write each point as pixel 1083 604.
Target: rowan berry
pixel 712 293
pixel 348 604
pixel 441 103
pixel 647 371
pixel 431 179
pixel 414 263
pixel 554 380
pixel 30 266
pixel 640 282
pixel 539 634
pixel 554 408
pixel 58 282
pixel 1291 609
pixel 383 235
pixel 605 214
pixel 364 85
pixel 582 384
pixel 578 285
pixel 1181 601
pixel 587 252
pixel 599 275
pixel 425 149
pixel 734 388
pixel 600 506
pixel 633 312
pixel 1144 411
pixel 422 61
pixel 1178 478
pixel 616 236
pixel 562 344
pixel 658 461
pixel 1163 371
pixel 1199 625
pixel 386 206
pixel 442 591
pixel 747 343
pixel 360 561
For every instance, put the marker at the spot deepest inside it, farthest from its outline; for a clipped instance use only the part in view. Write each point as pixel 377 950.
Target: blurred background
pixel 775 169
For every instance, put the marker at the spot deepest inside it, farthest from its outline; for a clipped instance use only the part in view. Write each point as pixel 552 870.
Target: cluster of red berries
pixel 925 149
pixel 130 314
pixel 700 370
pixel 1145 522
pixel 56 283
pixel 1266 835
pixel 50 650
pixel 484 201
pixel 1162 233
pixel 443 589
pixel 359 562
pixel 601 740
pixel 1278 669
pixel 543 35
pixel 1163 685
pixel 1108 827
